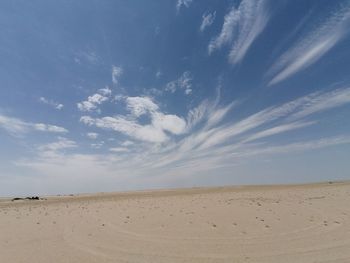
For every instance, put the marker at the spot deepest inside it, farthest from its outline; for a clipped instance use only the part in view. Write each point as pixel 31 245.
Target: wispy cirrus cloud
pixel 319 102
pixel 89 56
pixel 311 46
pixel 278 129
pixel 184 82
pixel 207 20
pixel 234 139
pixel 116 73
pixel 297 146
pixel 18 127
pixel 241 27
pixel 290 111
pixel 182 3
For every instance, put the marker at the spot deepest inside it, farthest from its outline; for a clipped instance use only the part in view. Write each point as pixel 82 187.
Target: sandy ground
pixel 304 223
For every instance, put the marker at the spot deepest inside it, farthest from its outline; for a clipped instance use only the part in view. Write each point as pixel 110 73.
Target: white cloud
pixel 105 92
pixel 49 128
pixel 60 144
pixel 188 91
pixel 311 46
pixel 59 106
pixel 92 102
pixel 128 127
pixel 241 27
pixel 92 135
pixel 168 122
pixel 118 149
pixel 155 131
pixel 116 73
pixel 119 97
pixel 87 120
pixel 207 20
pixel 97 145
pixel 17 127
pixel 56 105
pixel 184 82
pixel 183 3
pixel 127 143
pixel 140 105
pixel 158 74
pixel 13 125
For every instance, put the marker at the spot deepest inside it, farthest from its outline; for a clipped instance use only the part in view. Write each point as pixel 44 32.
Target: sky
pixel 100 96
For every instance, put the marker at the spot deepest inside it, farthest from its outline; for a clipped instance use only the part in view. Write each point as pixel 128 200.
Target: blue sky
pixel 124 95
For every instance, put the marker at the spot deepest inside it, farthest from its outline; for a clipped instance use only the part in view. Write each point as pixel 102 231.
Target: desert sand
pixel 295 223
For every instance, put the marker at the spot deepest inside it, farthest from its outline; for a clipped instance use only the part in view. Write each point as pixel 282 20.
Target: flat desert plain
pixel 295 223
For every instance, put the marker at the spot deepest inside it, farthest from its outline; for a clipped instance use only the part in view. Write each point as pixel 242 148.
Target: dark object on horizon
pixel 16 198
pixel 33 198
pixel 27 198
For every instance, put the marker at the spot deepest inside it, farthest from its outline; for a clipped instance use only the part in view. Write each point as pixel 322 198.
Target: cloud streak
pixel 241 27
pixel 207 20
pixel 18 127
pixel 311 46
